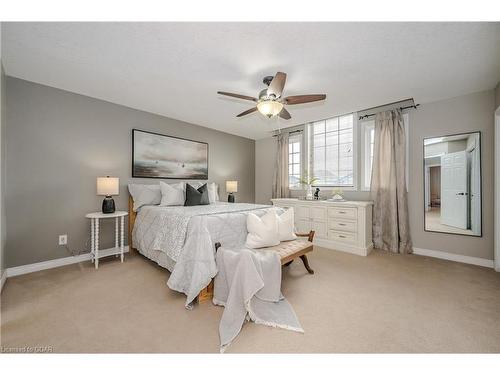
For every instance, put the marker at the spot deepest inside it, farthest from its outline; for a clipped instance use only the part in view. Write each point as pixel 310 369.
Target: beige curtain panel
pixel 391 229
pixel 280 178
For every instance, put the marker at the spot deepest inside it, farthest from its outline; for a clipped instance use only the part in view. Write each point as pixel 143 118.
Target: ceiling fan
pixel 270 102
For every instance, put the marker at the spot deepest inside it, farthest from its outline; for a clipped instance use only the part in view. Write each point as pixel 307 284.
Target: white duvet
pixel 187 236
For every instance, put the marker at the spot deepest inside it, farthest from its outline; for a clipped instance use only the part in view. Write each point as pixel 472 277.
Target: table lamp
pixel 108 186
pixel 231 187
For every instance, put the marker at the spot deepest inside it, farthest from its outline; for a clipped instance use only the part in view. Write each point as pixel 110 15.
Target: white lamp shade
pixel 108 185
pixel 232 186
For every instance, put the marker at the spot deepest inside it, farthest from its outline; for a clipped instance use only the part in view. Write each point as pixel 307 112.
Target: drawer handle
pixel 342 212
pixel 342 224
pixel 341 236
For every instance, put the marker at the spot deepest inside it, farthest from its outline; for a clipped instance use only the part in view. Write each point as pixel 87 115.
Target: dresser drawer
pixel 346 237
pixel 342 225
pixel 346 213
pixel 318 213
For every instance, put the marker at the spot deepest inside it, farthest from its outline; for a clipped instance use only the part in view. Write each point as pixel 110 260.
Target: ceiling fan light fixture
pixel 269 108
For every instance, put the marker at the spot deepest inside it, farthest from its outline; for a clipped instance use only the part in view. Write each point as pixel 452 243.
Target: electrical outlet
pixel 63 239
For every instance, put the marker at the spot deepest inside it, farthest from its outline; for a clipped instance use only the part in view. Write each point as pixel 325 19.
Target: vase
pixel 309 192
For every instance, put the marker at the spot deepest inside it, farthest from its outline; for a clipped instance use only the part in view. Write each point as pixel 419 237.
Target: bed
pixel 182 239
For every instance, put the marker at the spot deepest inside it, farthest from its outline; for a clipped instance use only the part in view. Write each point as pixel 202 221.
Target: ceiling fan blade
pixel 277 84
pixel 247 112
pixel 284 114
pixel 239 96
pixel 299 99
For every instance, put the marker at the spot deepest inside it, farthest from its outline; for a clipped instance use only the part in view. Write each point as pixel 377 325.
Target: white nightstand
pixel 94 235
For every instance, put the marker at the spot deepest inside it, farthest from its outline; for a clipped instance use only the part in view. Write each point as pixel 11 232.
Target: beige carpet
pixel 379 303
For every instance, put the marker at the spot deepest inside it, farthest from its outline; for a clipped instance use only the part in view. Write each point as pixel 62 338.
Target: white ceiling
pixel 175 69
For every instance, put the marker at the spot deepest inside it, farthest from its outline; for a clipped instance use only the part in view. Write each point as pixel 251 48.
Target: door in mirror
pixel 452 184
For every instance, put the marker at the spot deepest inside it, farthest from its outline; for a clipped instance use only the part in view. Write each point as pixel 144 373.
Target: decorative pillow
pixel 262 231
pixel 213 195
pixel 195 197
pixel 286 226
pixel 172 194
pixel 143 195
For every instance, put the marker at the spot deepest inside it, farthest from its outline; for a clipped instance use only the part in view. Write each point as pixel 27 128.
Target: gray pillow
pixel 144 195
pixel 196 197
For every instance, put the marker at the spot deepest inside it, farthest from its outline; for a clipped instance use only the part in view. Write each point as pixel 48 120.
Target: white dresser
pixel 344 226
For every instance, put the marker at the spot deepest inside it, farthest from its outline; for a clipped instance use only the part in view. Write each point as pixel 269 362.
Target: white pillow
pixel 143 195
pixel 213 195
pixel 262 231
pixel 286 226
pixel 172 194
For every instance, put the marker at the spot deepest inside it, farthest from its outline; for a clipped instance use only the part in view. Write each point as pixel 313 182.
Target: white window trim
pixel 301 141
pixel 366 127
pixel 303 156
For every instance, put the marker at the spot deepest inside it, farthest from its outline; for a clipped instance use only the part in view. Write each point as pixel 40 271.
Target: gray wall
pixel 3 113
pixel 59 142
pixel 497 96
pixel 265 156
pixel 462 114
pixel 467 113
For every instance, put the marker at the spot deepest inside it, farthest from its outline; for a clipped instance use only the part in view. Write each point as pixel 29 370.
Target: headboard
pixel 131 220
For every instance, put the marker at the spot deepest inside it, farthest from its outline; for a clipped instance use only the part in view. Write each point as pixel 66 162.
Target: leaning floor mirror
pixel 452 184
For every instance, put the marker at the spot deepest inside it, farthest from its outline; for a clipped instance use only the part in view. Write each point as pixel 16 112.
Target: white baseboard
pixel 454 257
pixel 34 267
pixel 3 277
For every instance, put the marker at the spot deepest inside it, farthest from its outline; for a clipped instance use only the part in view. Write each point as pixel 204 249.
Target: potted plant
pixel 308 182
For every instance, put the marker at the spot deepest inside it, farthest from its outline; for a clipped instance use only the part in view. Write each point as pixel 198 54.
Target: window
pixel 294 162
pixel 367 143
pixel 332 154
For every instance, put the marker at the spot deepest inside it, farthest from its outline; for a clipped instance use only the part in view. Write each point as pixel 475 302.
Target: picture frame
pixel 156 155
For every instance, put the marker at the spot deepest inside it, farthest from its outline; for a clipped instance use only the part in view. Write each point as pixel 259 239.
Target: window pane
pixel 294 166
pixel 332 124
pixel 332 151
pixel 319 127
pixel 332 138
pixel 319 140
pixel 346 122
pixel 345 150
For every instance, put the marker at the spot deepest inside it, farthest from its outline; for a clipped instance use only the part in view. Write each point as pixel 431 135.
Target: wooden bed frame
pixel 208 292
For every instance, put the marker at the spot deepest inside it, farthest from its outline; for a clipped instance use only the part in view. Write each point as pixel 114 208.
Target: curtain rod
pixel 292 132
pixel 414 106
pixel 401 108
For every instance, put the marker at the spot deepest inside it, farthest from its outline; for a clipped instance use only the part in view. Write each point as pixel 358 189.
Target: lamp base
pixel 108 205
pixel 230 198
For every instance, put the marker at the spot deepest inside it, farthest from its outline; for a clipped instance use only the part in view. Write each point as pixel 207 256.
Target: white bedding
pixel 182 239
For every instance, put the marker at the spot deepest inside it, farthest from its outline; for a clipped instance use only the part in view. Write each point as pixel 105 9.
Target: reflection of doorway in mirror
pixel 452 184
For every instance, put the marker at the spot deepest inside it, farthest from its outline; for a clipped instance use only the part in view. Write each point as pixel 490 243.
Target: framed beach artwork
pixel 162 156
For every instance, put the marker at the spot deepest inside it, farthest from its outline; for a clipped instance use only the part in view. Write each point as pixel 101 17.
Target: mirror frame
pixel 480 182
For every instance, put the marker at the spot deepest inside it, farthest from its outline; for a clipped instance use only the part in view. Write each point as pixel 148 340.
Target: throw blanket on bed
pixel 187 236
pixel 248 285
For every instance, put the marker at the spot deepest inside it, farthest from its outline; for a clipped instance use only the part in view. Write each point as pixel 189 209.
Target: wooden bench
pixel 288 251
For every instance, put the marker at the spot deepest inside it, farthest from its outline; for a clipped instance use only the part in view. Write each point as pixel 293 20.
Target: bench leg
pixel 306 264
pixel 288 263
